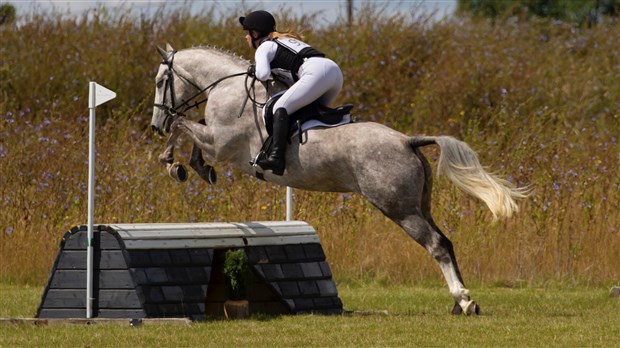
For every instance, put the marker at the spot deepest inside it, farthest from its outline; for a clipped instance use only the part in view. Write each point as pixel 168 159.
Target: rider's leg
pixel 275 162
pixel 335 82
pixel 319 79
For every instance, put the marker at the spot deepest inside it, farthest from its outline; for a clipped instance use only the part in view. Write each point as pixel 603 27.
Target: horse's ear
pixel 169 48
pixel 162 53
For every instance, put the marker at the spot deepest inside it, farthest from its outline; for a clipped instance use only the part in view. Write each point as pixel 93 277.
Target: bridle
pixel 173 111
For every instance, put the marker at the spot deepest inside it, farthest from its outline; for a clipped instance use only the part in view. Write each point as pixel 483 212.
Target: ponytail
pixel 285 34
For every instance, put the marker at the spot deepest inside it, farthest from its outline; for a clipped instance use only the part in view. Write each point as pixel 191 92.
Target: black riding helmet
pixel 259 21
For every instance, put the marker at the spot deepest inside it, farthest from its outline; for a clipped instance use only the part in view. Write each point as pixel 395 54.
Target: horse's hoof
pixel 211 175
pixel 457 310
pixel 471 308
pixel 178 172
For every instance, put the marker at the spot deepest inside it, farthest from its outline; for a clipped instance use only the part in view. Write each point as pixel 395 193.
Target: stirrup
pixel 254 162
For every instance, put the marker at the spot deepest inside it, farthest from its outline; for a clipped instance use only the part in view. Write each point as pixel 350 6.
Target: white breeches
pixel 319 79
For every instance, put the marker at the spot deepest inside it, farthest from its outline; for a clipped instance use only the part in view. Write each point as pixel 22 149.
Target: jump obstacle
pixel 141 271
pixel 175 270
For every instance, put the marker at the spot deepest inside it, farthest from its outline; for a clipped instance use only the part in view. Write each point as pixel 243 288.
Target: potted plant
pixel 236 281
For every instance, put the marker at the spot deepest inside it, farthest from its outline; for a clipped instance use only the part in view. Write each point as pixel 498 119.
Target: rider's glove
pixel 252 70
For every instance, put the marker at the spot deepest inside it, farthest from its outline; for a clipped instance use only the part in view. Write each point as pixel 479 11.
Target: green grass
pixel 417 316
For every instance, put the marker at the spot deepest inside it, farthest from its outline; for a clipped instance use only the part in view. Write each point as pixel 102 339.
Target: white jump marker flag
pixel 97 95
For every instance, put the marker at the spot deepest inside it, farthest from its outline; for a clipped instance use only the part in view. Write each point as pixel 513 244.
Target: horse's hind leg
pixel 443 252
pixel 450 269
pixel 440 248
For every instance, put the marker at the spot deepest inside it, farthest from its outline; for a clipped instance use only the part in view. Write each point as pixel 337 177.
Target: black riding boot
pixel 275 162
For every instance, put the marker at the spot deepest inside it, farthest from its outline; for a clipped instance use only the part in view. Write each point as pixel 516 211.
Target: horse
pixel 383 165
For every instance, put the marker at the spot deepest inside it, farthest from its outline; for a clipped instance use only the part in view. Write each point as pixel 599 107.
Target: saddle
pixel 313 111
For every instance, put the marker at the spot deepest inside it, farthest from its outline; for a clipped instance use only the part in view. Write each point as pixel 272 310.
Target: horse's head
pixel 171 92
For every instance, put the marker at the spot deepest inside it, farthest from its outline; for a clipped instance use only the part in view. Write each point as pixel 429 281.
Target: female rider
pixel 316 77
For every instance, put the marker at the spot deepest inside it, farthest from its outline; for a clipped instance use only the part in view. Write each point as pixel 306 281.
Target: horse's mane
pixel 226 55
pixel 220 51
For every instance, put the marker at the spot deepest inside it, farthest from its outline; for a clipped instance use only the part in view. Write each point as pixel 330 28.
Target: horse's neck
pixel 224 113
pixel 229 111
pixel 209 74
pixel 208 65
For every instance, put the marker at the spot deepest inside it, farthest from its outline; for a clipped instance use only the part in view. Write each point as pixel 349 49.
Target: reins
pixel 175 111
pixel 200 91
pixel 248 95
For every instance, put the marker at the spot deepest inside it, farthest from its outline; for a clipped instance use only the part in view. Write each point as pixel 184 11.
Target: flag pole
pixel 97 95
pixel 92 100
pixel 289 203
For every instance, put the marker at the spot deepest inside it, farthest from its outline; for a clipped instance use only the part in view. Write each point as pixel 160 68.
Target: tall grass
pixel 538 100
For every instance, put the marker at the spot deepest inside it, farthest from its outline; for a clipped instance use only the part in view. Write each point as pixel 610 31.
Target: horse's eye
pixel 160 83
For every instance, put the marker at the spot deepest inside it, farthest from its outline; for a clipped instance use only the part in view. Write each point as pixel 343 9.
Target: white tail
pixel 460 164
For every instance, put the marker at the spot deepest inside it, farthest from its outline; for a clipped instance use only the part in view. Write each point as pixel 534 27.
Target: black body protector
pixel 291 54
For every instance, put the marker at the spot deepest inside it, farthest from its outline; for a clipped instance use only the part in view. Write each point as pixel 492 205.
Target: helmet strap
pixel 257 41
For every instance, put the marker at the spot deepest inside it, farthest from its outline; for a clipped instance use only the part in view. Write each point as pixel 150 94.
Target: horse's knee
pixel 174 126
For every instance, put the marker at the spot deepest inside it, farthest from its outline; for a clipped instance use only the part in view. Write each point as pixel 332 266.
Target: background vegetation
pixel 583 11
pixel 538 99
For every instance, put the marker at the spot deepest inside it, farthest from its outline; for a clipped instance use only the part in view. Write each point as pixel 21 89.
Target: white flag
pixel 99 95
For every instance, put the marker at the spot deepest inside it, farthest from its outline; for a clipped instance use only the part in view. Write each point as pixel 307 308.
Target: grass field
pixel 537 99
pixel 416 316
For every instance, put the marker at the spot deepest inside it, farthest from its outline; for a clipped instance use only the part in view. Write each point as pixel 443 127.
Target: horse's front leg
pixel 197 162
pixel 203 140
pixel 205 171
pixel 175 170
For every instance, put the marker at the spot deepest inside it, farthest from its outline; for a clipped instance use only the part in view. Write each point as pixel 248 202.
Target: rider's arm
pixel 263 57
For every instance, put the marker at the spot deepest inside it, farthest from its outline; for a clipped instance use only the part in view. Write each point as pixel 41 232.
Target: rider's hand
pixel 252 70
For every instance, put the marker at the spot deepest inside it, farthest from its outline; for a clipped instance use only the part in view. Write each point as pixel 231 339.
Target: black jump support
pixel 175 270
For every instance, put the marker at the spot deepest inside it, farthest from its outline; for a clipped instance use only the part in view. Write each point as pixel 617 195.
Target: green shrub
pixel 236 274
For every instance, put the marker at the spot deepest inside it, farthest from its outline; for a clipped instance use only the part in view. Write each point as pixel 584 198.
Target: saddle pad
pixel 310 124
pixel 316 124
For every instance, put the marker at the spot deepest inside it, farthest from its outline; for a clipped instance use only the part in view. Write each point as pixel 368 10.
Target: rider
pixel 316 77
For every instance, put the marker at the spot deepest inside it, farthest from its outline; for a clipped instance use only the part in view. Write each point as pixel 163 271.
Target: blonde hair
pixel 285 34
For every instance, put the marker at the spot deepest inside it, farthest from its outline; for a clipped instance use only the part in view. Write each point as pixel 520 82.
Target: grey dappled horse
pixel 382 164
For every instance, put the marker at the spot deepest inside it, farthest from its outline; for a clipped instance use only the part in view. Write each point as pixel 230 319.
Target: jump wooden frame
pixel 174 270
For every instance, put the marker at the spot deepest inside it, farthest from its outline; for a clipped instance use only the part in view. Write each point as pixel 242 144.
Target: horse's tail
pixel 460 164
